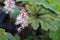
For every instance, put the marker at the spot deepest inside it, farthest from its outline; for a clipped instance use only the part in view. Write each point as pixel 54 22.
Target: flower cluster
pixel 9 5
pixel 22 19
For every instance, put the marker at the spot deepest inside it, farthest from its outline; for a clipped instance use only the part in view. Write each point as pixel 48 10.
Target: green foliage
pixel 56 3
pixel 10 37
pixel 5 36
pixel 34 23
pixel 2 35
pixel 42 14
pixel 55 35
pixel 47 13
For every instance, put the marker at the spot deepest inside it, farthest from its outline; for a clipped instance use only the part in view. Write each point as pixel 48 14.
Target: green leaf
pixel 31 9
pixel 50 1
pixel 35 24
pixel 9 36
pixel 2 34
pixel 49 6
pixel 48 22
pixel 44 25
pixel 2 30
pixel 55 35
pixel 48 25
pixel 17 37
pixel 20 0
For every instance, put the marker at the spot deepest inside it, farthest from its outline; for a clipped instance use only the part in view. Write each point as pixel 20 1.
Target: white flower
pixel 19 29
pixel 9 5
pixel 22 18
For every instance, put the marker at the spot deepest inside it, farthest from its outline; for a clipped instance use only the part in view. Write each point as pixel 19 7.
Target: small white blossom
pixel 9 5
pixel 22 18
pixel 19 29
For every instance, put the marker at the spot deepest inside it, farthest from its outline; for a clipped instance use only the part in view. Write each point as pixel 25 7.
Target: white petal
pixel 12 6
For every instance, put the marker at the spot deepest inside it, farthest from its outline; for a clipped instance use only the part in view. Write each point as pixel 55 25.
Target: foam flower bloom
pixel 9 5
pixel 22 18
